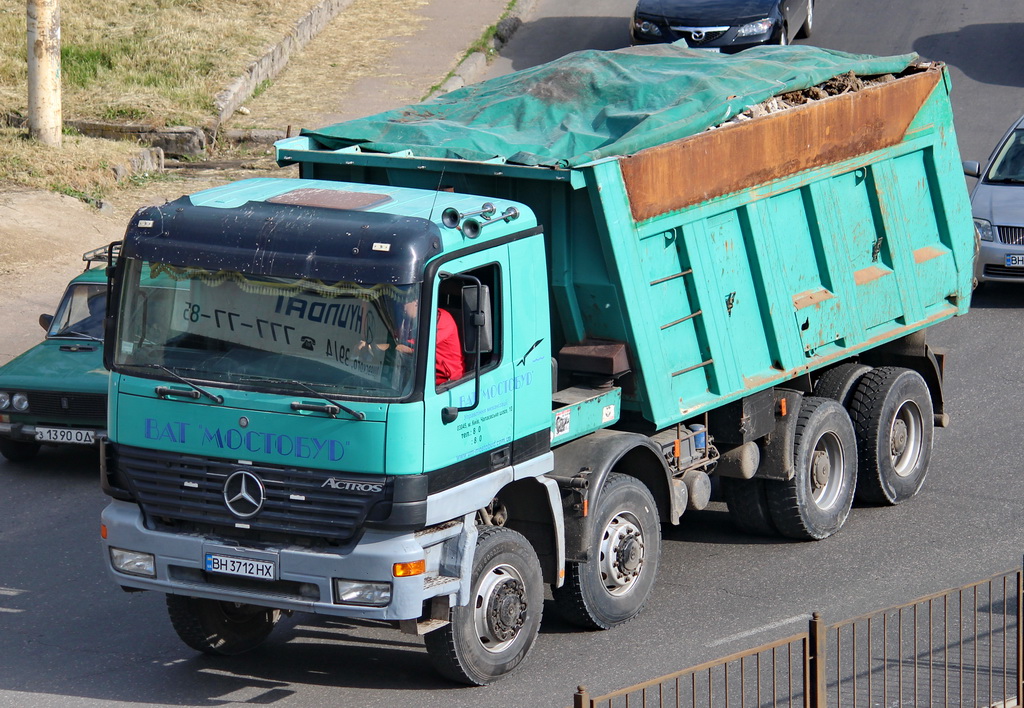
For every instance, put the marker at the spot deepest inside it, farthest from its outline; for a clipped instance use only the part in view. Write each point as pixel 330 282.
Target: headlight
pixel 984 229
pixel 754 28
pixel 133 562
pixel 358 592
pixel 5 400
pixel 19 402
pixel 647 27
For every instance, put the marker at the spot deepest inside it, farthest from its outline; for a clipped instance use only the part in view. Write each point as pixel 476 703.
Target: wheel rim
pixel 906 436
pixel 810 14
pixel 622 554
pixel 784 37
pixel 500 608
pixel 827 471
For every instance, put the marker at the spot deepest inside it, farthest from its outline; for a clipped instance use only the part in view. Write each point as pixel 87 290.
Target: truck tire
pixel 892 416
pixel 220 628
pixel 839 383
pixel 18 450
pixel 492 635
pixel 748 505
pixel 613 586
pixel 815 503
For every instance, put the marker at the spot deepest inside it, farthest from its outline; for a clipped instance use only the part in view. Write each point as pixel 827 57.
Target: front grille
pixel 705 37
pixel 1012 235
pixel 67 405
pixel 998 271
pixel 299 502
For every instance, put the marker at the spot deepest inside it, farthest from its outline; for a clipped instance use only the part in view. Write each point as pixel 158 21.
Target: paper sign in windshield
pixel 339 331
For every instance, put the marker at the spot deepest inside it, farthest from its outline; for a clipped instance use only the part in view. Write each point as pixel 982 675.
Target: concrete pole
pixel 45 122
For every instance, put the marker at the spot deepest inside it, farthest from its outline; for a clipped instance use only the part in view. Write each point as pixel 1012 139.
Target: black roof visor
pixel 285 240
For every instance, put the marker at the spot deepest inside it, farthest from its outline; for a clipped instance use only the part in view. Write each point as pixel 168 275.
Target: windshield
pixel 80 313
pixel 346 339
pixel 1008 167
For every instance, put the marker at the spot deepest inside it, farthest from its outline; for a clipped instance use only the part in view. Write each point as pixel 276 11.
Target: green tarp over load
pixel 594 104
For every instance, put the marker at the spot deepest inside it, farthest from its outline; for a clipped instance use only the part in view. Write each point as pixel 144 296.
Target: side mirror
pixel 45 321
pixel 477 325
pixel 972 168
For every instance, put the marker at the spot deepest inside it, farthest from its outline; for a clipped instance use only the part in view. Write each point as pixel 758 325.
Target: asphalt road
pixel 68 637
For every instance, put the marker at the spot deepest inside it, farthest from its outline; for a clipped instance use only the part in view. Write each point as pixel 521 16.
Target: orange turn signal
pixel 782 407
pixel 405 570
pixel 103 531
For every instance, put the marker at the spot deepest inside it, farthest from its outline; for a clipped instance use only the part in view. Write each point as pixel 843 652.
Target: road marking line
pixel 752 632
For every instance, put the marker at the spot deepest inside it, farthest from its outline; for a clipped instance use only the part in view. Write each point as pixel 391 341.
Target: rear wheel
pixel 18 450
pixel 839 383
pixel 222 628
pixel 613 586
pixel 815 503
pixel 492 635
pixel 748 505
pixel 892 415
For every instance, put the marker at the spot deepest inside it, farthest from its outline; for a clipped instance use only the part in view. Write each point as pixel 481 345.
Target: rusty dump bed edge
pixel 738 156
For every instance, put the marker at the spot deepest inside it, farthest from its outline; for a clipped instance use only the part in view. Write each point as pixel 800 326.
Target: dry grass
pixel 83 168
pixel 159 61
pixel 343 53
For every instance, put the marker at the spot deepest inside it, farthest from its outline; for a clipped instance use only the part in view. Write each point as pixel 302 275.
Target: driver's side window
pixel 452 362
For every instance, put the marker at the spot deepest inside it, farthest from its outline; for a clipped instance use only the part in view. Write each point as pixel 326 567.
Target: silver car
pixel 998 206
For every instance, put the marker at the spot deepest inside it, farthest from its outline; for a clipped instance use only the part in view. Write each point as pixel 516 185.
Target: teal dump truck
pixel 491 343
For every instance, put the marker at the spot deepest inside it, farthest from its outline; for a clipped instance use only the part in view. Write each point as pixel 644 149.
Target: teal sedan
pixel 56 392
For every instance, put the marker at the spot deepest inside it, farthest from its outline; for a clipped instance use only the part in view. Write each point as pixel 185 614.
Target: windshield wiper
pixel 163 390
pixel 73 333
pixel 332 410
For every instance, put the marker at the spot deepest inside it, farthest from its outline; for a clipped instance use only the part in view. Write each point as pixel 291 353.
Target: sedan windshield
pixel 1008 167
pixel 80 313
pixel 347 339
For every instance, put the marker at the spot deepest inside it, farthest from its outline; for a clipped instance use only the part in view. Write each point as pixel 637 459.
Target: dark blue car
pixel 722 25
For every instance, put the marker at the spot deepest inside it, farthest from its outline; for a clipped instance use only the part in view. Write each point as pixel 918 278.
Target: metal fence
pixel 962 647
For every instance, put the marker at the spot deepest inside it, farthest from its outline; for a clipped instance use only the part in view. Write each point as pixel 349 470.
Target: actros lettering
pixel 350 486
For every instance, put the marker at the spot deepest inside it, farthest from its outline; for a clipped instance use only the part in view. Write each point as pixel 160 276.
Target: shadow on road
pixel 545 39
pixel 989 53
pixel 998 296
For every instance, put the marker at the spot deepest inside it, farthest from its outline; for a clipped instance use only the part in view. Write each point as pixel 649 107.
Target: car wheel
pixel 808 27
pixel 18 450
pixel 783 39
pixel 492 635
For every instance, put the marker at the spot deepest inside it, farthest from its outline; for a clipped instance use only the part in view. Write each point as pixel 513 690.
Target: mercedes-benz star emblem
pixel 244 494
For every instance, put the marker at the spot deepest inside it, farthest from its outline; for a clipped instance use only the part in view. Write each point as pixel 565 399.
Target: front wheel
pixel 221 628
pixel 892 414
pixel 613 585
pixel 747 502
pixel 807 29
pixel 492 635
pixel 18 450
pixel 815 503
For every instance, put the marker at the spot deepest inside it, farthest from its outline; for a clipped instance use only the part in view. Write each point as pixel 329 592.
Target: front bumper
pixel 990 265
pixel 304 576
pixel 26 432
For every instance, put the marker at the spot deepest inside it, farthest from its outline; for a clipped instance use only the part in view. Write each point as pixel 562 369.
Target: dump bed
pixel 728 259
